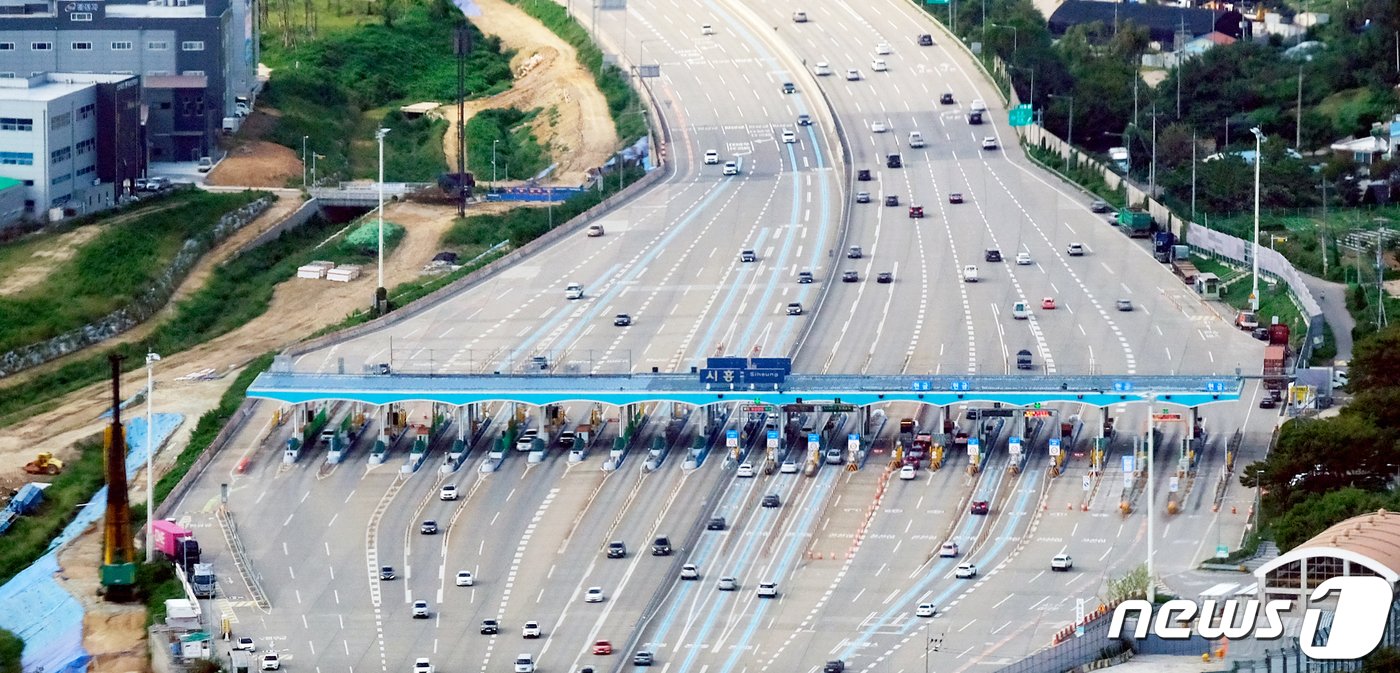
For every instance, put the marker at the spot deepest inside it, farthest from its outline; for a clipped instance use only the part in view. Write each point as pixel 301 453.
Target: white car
pixel 789 136
pixel 908 472
pixel 768 590
pixel 690 572
pixel 270 662
pixel 711 157
pixel 925 610
pixel 246 644
pixel 420 609
pixel 530 630
pixel 1062 562
pixel 882 49
pixel 422 665
pixel 1076 249
pixel 448 492
pixel 573 291
pixel 595 230
pixel 852 75
pixel 465 579
pixel 969 274
pixel 989 143
pixel 1023 258
pixel 822 69
pixel 789 467
pixel 878 65
pixel 745 470
pixel 965 571
pixel 878 127
pixel 731 168
pixel 1020 310
pixel 594 595
pixel 948 550
pixel 524 663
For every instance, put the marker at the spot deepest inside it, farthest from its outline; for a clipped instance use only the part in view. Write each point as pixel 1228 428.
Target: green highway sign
pixel 1021 115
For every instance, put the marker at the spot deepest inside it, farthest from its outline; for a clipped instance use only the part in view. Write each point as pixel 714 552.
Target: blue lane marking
pixel 723 310
pixel 559 316
pixel 822 486
pixel 636 271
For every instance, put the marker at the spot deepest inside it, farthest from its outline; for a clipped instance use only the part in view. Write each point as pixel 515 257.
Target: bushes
pixel 11 647
pixel 517 156
pixel 413 149
pixel 112 270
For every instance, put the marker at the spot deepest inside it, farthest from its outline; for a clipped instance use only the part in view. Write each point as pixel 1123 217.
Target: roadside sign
pixel 1020 115
pixel 724 376
pixel 1054 447
pixel 1038 413
pixel 836 408
pixel 853 442
pixel 731 438
pixel 814 441
pixel 1221 551
pixel 1087 484
pixel 921 386
pixel 1174 484
pixel 973 447
pixel 726 363
pixel 1215 386
pixel 1122 386
pixel 960 386
pixel 785 364
pixel 1014 444
pixel 772 439
pixel 1129 464
pixel 764 375
pixel 1161 418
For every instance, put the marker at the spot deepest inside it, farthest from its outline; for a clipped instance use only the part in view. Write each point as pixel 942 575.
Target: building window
pixel 81 46
pixel 80 16
pixel 61 154
pixel 7 75
pixel 87 111
pixel 124 45
pixel 193 45
pixel 61 179
pixel 7 46
pixel 1286 576
pixel 16 158
pixel 123 72
pixel 16 124
pixel 193 73
pixel 86 146
pixel 85 170
pixel 41 46
pixel 157 73
pixel 60 121
pixel 157 46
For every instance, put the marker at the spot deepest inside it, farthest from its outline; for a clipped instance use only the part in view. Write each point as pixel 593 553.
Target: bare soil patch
pixel 254 162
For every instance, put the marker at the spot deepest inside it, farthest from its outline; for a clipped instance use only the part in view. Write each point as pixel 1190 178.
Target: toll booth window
pixel 1287 576
pixel 1358 570
pixel 1321 568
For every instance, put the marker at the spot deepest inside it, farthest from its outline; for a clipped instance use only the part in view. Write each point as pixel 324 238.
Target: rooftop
pixel 1370 539
pixel 155 11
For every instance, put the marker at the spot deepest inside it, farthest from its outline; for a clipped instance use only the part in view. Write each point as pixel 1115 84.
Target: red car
pixel 1048 303
pixel 981 507
pixel 602 647
pixel 916 212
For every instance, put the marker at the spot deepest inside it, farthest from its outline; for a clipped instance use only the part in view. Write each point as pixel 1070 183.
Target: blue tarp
pixel 536 194
pixel 36 608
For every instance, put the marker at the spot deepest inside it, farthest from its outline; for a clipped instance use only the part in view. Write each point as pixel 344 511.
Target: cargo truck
pixel 174 542
pixel 1135 223
pixel 202 580
pixel 1162 243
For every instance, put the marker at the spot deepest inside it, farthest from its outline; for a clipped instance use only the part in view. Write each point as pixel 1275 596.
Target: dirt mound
pixel 257 163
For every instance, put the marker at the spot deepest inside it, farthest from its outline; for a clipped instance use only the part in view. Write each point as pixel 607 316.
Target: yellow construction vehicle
pixel 44 463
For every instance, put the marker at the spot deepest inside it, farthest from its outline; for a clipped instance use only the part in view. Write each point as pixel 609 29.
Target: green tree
pixel 1318 512
pixel 1317 456
pixel 1375 362
pixel 1383 660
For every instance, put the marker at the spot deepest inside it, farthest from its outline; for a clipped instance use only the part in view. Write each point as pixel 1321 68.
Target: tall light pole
pixel 1070 153
pixel 303 160
pixel 1258 159
pixel 151 359
pixel 1151 500
pixel 494 143
pixel 380 292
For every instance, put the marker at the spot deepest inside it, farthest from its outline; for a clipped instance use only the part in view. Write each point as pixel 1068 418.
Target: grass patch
pixel 1085 176
pixel 11 649
pixel 210 424
pixel 334 87
pixel 504 135
pixel 611 80
pixel 29 537
pixel 237 292
pixel 113 269
pixel 157 583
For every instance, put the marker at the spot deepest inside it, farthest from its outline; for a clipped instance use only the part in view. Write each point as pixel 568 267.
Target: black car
pixel 429 527
pixel 622 320
pixel 1100 207
pixel 925 40
pixel 1268 402
pixel 946 99
pixel 885 277
pixel 974 118
pixel 386 573
pixel 892 200
pixel 789 87
pixel 716 523
pixel 834 666
pixel 804 120
pixel 617 550
pixel 863 175
pixel 955 197
pixel 1260 333
pixel 490 627
pixel 850 277
pixel 894 161
pixel 771 500
pixel 992 255
pixel 642 658
pixel 804 277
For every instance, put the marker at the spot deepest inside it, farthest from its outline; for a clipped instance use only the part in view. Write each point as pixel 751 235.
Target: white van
pixel 969 274
pixel 916 139
pixel 979 105
pixel 524 663
pixel 1020 310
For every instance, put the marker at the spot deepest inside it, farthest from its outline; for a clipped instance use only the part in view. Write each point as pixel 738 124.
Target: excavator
pixel 44 463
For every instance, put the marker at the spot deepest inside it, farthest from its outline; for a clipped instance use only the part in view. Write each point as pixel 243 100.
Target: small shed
pixel 1208 285
pixel 418 109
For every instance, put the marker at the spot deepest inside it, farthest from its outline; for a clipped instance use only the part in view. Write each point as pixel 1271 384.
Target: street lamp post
pixel 1151 501
pixel 151 359
pixel 380 292
pixel 494 143
pixel 1070 153
pixel 1258 159
pixel 303 160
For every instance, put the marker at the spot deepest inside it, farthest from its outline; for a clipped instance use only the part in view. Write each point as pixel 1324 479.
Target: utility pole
pixel 1322 232
pixel 1193 187
pixel 1258 159
pixel 381 294
pixel 1298 114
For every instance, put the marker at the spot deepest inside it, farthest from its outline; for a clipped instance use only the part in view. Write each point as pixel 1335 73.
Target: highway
pixel 853 552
